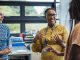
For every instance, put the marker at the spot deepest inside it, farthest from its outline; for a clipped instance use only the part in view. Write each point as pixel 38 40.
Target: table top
pixel 20 51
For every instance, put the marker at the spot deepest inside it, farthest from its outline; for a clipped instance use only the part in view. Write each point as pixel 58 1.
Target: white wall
pixel 64 17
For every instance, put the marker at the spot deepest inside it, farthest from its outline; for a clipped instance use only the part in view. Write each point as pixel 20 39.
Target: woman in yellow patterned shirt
pixel 50 41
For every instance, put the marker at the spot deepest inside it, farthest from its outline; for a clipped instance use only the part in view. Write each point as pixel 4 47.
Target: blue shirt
pixel 4 39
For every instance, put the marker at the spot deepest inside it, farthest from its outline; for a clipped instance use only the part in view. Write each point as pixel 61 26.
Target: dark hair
pixel 47 11
pixel 74 9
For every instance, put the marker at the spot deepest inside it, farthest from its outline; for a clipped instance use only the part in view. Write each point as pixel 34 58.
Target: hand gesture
pixel 58 53
pixel 38 36
pixel 58 39
pixel 5 51
pixel 47 49
pixel 50 49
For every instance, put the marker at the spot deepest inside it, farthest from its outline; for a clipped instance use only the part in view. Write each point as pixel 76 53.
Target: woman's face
pixel 51 17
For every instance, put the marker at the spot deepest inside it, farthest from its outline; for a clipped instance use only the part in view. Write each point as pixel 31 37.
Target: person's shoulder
pixel 59 26
pixel 77 26
pixel 43 29
pixel 3 26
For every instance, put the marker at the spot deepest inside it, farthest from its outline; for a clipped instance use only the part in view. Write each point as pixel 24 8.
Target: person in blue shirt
pixel 4 39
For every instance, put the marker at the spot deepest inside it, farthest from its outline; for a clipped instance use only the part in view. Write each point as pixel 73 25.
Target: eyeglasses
pixel 51 14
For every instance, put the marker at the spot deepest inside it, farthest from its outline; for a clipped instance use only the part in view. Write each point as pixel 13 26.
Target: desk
pixel 19 49
pixel 20 53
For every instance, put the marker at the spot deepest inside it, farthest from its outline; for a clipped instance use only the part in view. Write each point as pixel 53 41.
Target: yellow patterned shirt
pixel 47 34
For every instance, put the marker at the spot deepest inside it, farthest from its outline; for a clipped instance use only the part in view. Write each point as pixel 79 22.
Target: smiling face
pixel 51 17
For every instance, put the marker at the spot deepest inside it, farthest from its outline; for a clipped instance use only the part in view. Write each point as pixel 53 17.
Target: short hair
pixel 47 11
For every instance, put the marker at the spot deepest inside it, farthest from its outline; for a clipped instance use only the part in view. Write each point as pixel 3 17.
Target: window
pixel 14 28
pixel 58 10
pixel 40 0
pixel 35 10
pixel 33 0
pixel 34 27
pixel 10 10
pixel 20 12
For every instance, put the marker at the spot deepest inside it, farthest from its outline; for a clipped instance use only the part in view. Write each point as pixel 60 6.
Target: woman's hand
pixel 47 49
pixel 58 53
pixel 38 36
pixel 50 49
pixel 58 40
